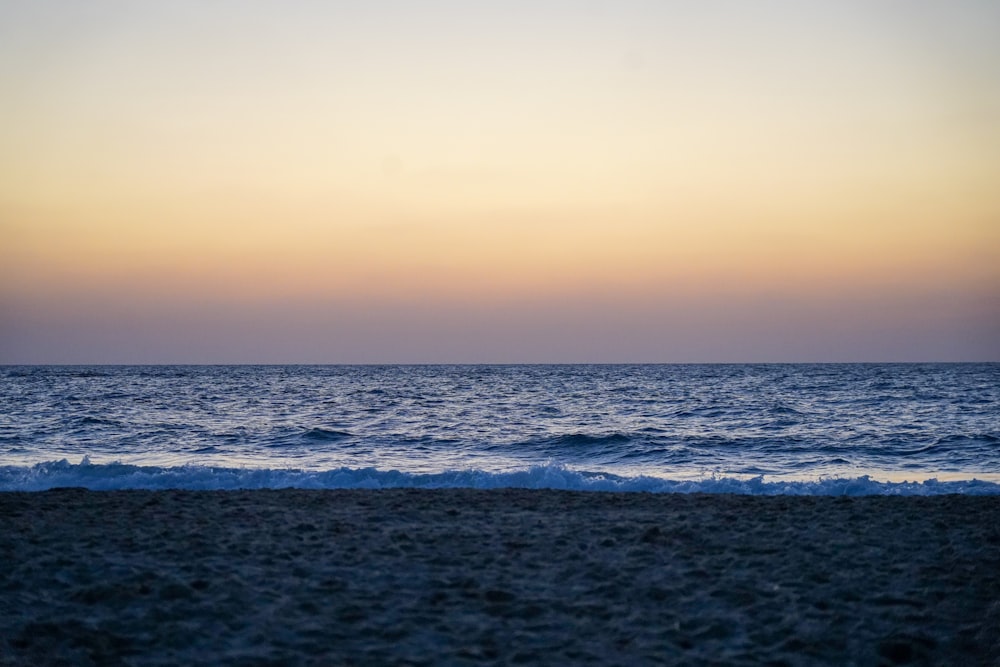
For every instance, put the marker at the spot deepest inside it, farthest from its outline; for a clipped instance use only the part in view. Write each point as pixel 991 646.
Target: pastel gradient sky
pixel 334 182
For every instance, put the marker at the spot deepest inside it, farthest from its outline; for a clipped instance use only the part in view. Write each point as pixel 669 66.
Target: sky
pixel 240 181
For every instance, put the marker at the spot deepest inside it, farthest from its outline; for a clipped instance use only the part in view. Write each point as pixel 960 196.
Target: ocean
pixel 818 429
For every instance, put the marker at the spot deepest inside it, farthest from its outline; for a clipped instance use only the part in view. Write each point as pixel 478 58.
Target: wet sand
pixel 464 577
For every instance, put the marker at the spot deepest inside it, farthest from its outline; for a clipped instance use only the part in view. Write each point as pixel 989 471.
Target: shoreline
pixel 503 576
pixel 118 475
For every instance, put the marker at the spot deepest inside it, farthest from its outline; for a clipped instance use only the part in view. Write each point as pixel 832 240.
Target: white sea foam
pixel 110 476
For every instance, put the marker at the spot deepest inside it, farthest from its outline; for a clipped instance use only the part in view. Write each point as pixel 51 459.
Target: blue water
pixel 803 428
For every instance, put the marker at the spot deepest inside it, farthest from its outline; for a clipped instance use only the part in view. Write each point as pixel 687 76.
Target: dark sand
pixel 462 577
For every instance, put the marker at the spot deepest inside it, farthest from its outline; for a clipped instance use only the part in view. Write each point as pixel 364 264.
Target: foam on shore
pixel 117 476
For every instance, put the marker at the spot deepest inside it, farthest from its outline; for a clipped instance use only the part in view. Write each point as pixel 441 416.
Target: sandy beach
pixel 464 577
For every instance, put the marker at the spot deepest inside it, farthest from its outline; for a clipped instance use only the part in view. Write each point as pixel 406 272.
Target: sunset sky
pixel 333 182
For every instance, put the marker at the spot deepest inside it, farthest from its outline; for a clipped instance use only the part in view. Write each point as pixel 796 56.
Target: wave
pixel 325 434
pixel 313 437
pixel 113 476
pixel 576 440
pixel 97 421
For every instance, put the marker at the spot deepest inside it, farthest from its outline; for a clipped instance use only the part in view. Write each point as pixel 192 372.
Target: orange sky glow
pixel 538 182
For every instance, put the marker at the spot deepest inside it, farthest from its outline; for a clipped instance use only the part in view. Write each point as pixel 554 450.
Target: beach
pixel 506 576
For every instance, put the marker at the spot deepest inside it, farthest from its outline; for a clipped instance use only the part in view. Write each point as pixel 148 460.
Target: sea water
pixel 797 429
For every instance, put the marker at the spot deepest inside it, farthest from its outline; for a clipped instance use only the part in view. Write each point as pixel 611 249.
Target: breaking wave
pixel 113 476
